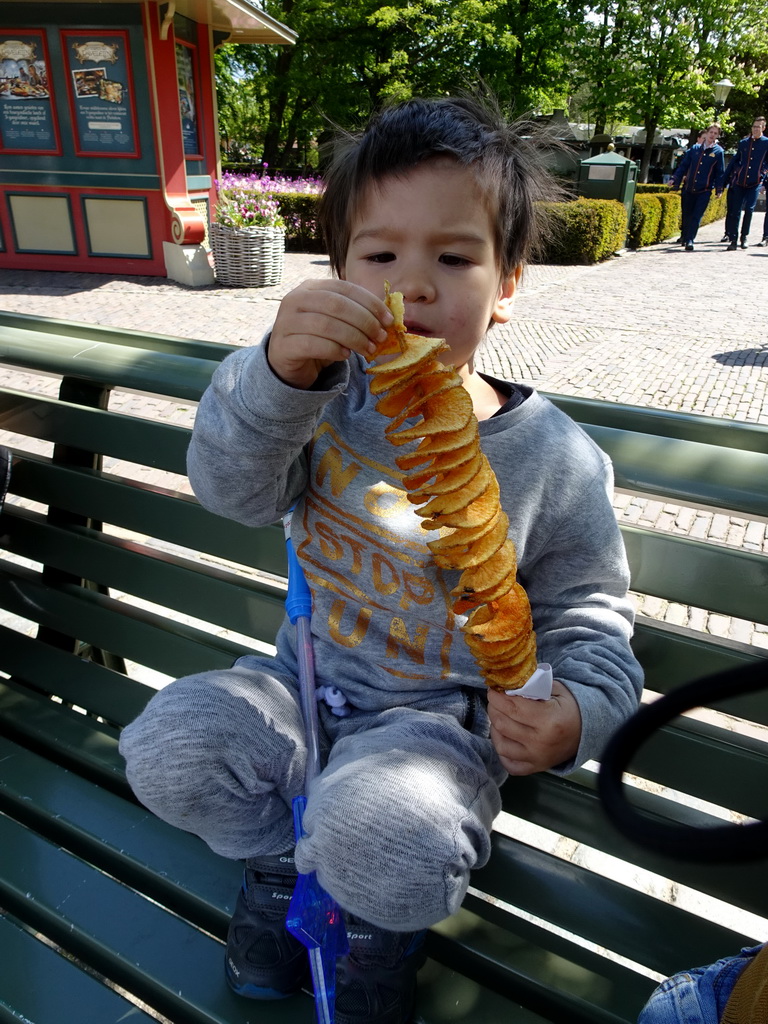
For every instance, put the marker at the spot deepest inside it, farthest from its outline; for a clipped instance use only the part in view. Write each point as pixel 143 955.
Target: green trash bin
pixel 608 176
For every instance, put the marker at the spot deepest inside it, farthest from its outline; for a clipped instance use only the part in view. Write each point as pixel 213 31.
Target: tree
pixel 351 57
pixel 533 72
pixel 655 62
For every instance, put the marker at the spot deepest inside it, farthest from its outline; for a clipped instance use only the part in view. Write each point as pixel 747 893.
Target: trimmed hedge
pixel 716 209
pixel 299 211
pixel 656 215
pixel 583 231
pixel 645 221
pixel 671 214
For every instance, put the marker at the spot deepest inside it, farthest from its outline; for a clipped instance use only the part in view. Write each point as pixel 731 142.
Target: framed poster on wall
pixel 27 116
pixel 186 72
pixel 101 94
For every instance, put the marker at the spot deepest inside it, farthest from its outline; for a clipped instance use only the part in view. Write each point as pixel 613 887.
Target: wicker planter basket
pixel 248 257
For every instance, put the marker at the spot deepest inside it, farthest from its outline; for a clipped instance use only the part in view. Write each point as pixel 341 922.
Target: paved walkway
pixel 659 327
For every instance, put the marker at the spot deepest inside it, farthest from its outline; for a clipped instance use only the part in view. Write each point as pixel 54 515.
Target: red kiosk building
pixel 109 145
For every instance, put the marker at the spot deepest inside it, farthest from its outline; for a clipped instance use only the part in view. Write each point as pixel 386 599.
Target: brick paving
pixel 659 327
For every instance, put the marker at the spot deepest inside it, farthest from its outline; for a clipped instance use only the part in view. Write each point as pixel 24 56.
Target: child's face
pixel 430 234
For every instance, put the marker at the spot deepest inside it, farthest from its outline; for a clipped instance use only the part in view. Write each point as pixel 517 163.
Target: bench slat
pixel 24 328
pixel 149 511
pixel 131 940
pixel 647 931
pixel 203 591
pixel 145 637
pixel 118 836
pixel 40 985
pixel 712 430
pixel 563 980
pixel 672 656
pixel 691 572
pixel 160 445
pixel 121 366
pixel 572 808
pixel 74 680
pixel 687 472
pixel 681 757
pixel 67 737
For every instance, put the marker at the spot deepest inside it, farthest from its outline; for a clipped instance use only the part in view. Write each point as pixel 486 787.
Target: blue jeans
pixel 740 199
pixel 692 207
pixel 698 996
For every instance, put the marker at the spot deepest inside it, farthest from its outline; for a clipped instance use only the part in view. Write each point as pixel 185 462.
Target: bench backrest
pixel 121 576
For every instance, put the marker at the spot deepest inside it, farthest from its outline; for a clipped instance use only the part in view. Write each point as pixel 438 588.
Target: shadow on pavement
pixel 743 357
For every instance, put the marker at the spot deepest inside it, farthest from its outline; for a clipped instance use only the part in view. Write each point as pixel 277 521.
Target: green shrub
pixel 299 211
pixel 670 214
pixel 645 221
pixel 583 231
pixel 645 188
pixel 716 209
pixel 240 167
pixel 656 215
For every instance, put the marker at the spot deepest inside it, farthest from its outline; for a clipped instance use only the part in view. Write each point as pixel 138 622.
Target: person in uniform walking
pixel 700 170
pixel 744 175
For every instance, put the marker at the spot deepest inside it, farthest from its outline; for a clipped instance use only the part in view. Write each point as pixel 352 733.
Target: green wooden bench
pixel 109 915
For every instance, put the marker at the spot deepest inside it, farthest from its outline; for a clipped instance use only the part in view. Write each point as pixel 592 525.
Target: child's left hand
pixel 533 735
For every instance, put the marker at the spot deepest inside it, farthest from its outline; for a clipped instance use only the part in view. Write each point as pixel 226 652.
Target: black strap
pixel 718 844
pixel 5 474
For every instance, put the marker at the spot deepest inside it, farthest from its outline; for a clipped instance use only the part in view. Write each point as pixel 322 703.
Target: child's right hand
pixel 322 322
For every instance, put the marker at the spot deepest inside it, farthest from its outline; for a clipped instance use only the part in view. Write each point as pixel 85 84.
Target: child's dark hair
pixel 474 133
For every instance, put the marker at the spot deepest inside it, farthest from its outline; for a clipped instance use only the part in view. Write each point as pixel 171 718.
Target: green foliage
pixel 645 189
pixel 653 62
pixel 352 57
pixel 656 215
pixel 299 211
pixel 584 231
pixel 670 214
pixel 241 105
pixel 244 208
pixel 645 221
pixel 716 209
pixel 649 62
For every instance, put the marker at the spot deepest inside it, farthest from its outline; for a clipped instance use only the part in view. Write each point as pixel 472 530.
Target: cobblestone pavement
pixel 659 327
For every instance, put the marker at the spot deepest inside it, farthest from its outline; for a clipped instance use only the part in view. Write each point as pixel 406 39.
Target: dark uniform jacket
pixel 702 168
pixel 749 164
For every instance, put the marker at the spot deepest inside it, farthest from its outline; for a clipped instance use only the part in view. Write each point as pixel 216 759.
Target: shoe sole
pixel 254 991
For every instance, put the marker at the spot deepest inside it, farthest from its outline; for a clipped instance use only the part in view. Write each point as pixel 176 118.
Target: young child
pixel 435 197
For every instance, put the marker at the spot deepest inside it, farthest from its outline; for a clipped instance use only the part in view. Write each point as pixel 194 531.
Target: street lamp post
pixel 720 90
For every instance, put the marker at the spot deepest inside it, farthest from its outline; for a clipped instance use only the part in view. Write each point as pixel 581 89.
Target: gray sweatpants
pixel 395 822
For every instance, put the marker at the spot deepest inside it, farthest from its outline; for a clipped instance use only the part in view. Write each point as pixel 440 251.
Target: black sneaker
pixel 762 244
pixel 263 960
pixel 743 243
pixel 376 981
pixel 725 238
pixel 732 247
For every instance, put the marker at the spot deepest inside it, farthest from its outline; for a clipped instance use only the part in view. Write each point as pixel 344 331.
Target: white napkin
pixel 538 687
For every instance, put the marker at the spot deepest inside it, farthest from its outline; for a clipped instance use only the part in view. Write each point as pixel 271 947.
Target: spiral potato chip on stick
pixel 452 482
